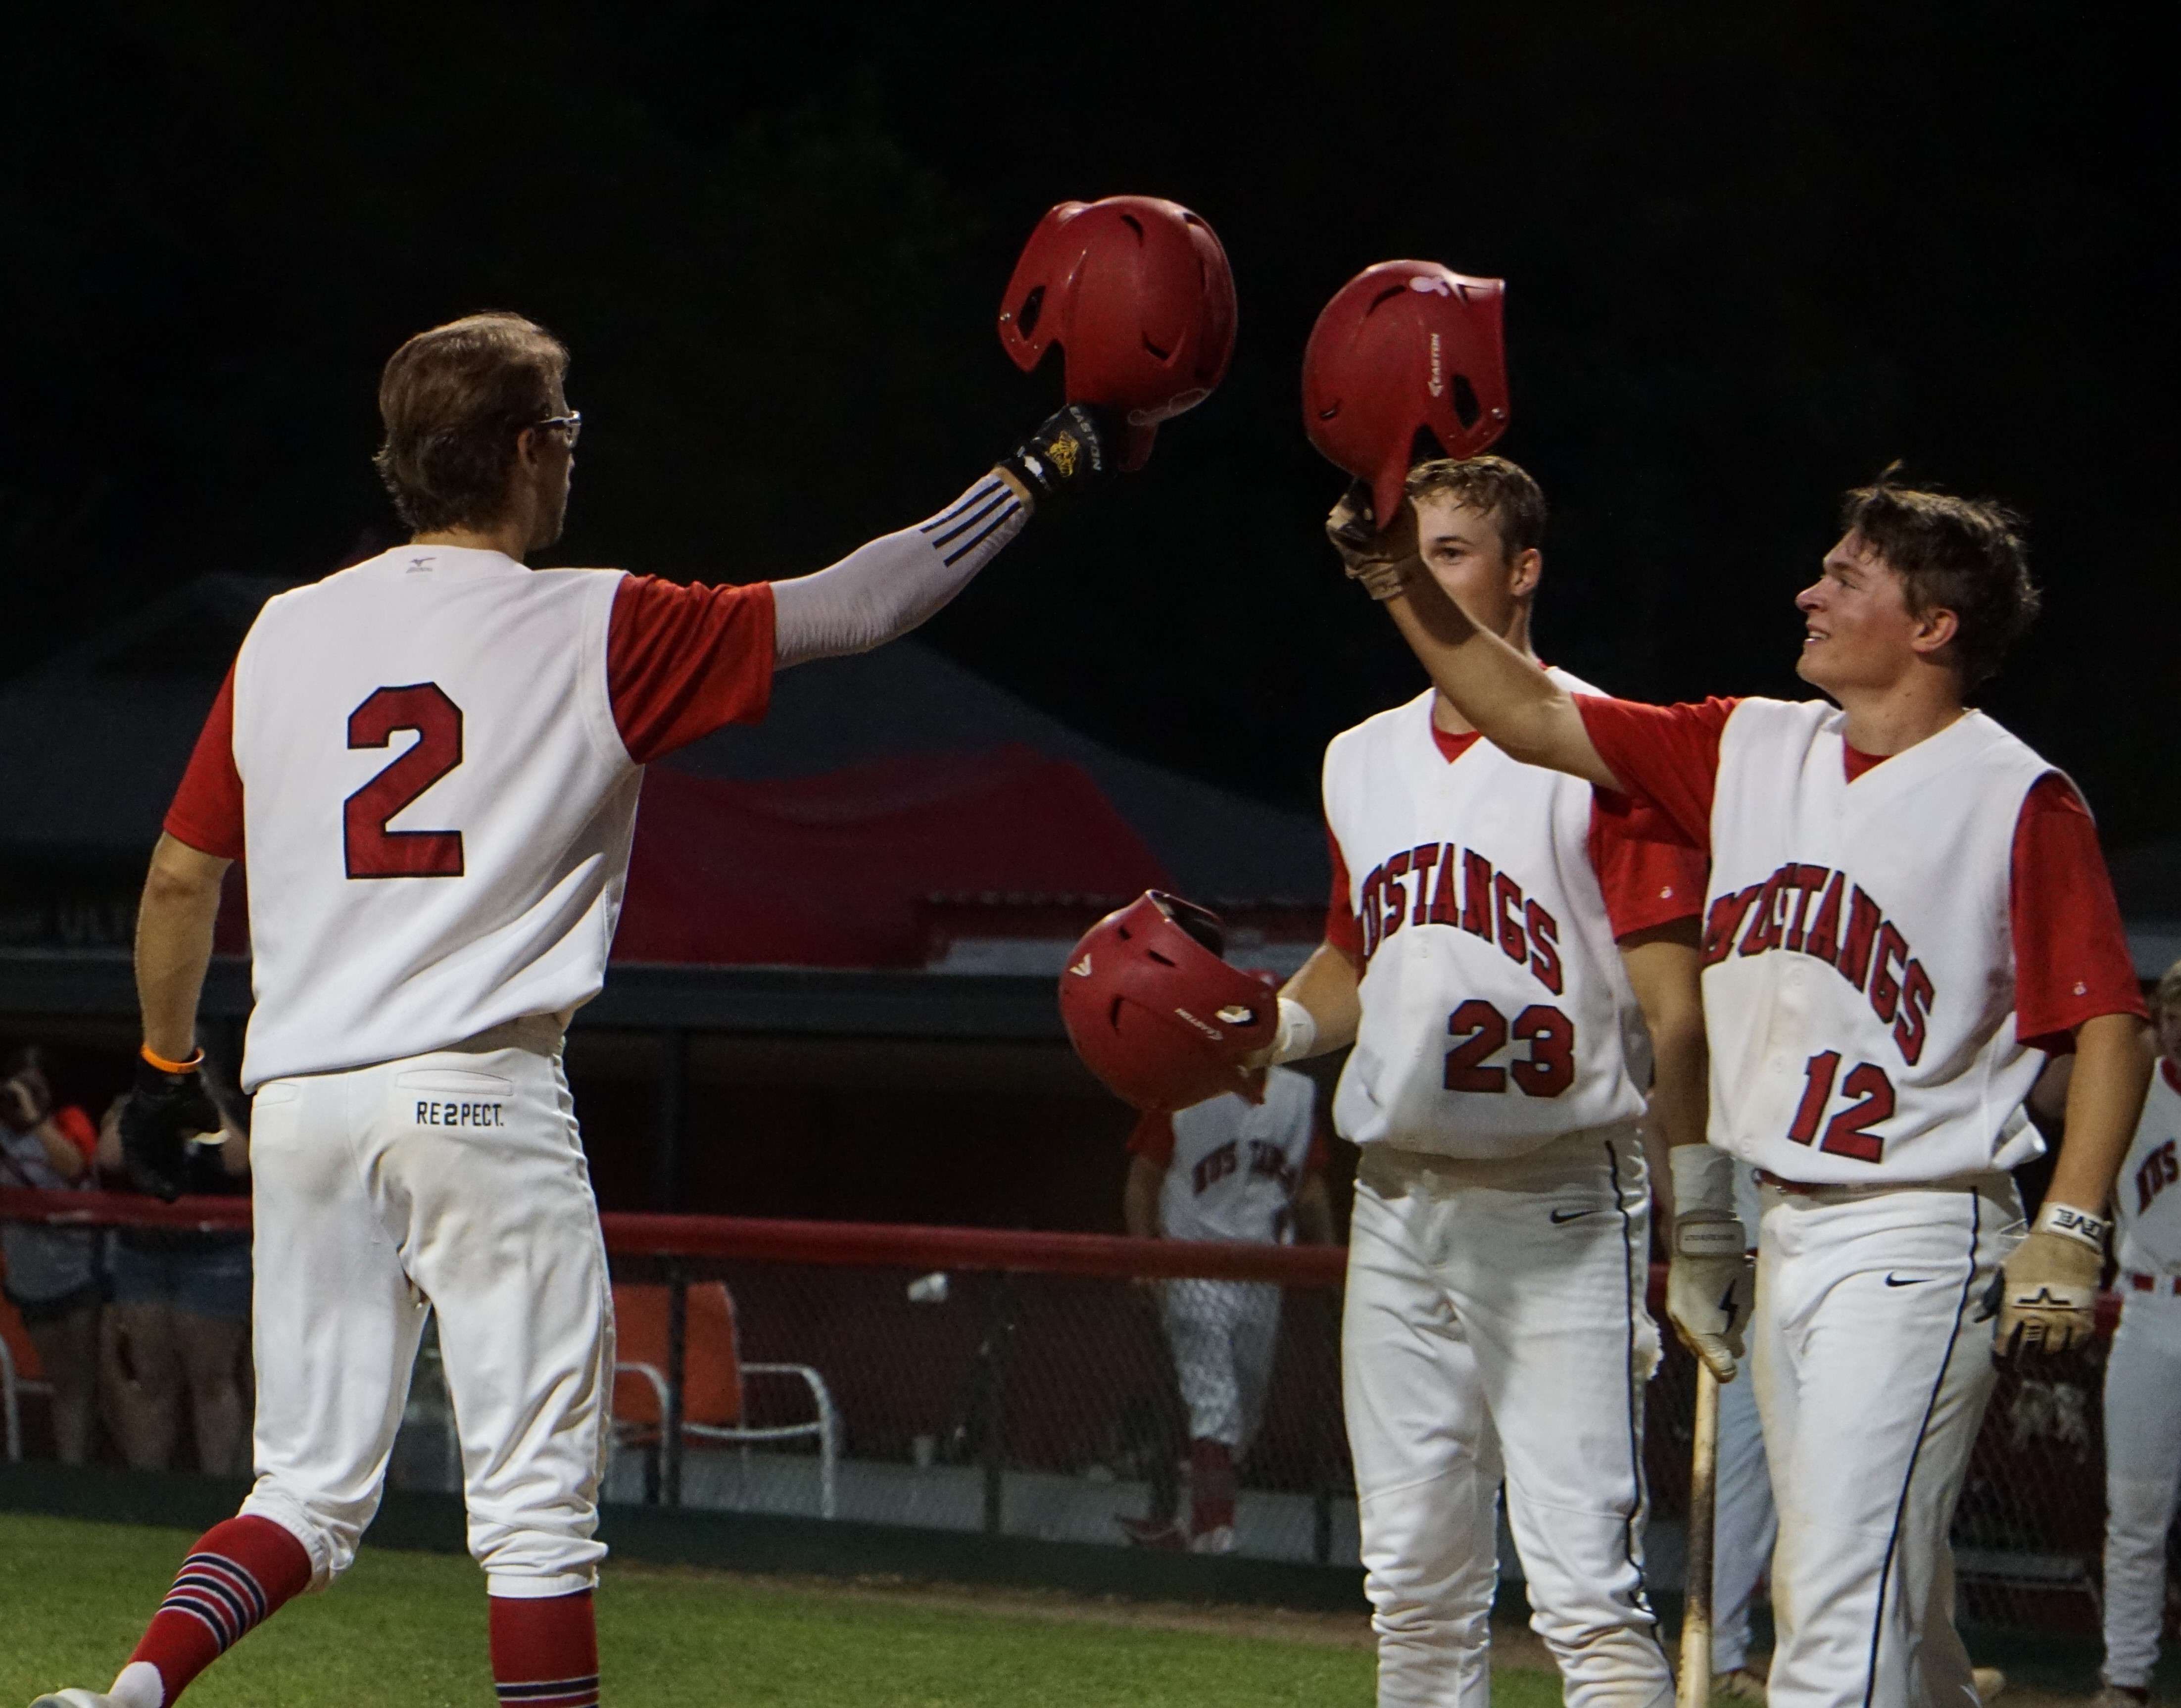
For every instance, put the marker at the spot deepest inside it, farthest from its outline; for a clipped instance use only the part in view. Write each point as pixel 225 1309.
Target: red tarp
pixel 833 871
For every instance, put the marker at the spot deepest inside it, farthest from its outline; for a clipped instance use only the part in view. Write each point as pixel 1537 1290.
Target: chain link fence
pixel 1058 1386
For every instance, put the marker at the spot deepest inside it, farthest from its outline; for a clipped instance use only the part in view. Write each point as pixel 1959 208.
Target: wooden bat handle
pixel 1693 1689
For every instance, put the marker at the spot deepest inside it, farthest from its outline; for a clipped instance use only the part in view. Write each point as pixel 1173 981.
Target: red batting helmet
pixel 1138 294
pixel 1406 348
pixel 1155 1013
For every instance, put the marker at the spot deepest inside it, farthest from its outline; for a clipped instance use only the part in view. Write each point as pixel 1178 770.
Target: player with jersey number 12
pixel 431 763
pixel 1909 913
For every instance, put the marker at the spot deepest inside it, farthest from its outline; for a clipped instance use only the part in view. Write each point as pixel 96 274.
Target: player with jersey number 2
pixel 1908 912
pixel 431 763
pixel 1495 1328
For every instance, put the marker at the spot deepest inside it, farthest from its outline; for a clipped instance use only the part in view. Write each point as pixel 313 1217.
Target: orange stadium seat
pixel 713 1378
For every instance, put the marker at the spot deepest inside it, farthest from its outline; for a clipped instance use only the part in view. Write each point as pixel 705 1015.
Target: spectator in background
pixel 180 1311
pixel 54 1279
pixel 1249 1165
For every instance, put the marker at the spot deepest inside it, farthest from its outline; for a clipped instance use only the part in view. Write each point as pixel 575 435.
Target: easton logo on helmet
pixel 1439 369
pixel 1209 1031
pixel 1082 968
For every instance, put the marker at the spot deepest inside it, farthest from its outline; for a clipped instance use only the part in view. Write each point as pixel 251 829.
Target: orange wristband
pixel 166 1067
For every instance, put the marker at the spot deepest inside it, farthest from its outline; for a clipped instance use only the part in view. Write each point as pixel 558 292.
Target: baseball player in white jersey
pixel 1908 912
pixel 431 763
pixel 1495 1327
pixel 2143 1375
pixel 1245 1166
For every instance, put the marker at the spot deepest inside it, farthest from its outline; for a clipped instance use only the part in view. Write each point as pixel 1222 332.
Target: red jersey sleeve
pixel 207 812
pixel 1342 929
pixel 1666 755
pixel 76 1128
pixel 1647 883
pixel 683 661
pixel 1153 1138
pixel 2071 958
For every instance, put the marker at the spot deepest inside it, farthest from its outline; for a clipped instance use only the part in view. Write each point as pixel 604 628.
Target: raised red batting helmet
pixel 1138 294
pixel 1155 1013
pixel 1406 349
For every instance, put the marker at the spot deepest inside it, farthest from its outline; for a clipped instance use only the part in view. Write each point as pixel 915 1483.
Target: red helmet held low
pixel 1155 1013
pixel 1406 349
pixel 1138 294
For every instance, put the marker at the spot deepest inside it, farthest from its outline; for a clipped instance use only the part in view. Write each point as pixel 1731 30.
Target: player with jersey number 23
pixel 431 762
pixel 1907 913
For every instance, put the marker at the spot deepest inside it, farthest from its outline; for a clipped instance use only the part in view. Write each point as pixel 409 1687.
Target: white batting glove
pixel 1710 1278
pixel 2049 1288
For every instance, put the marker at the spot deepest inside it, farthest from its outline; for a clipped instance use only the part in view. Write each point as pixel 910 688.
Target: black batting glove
pixel 1069 452
pixel 156 1123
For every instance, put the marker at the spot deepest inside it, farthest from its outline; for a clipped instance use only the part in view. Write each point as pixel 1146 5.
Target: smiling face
pixel 1858 631
pixel 1461 547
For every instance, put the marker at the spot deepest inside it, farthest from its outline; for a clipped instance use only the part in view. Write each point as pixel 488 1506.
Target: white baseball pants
pixel 2143 1462
pixel 1744 1525
pixel 1495 1327
pixel 1872 1360
pixel 453 1182
pixel 1222 1334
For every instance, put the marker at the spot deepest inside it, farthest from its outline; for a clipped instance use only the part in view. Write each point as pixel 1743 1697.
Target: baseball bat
pixel 1694 1687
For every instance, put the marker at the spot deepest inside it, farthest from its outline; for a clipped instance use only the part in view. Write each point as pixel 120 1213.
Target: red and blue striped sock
pixel 545 1652
pixel 235 1578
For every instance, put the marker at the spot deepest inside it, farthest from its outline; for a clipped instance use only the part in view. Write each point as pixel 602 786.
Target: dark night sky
pixel 1754 254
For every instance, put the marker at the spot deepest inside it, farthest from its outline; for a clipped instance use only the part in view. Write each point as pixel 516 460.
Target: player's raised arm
pixel 1514 705
pixel 884 590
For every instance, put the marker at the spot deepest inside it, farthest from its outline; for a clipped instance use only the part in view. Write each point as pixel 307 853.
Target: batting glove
pixel 156 1123
pixel 1709 1279
pixel 1069 452
pixel 1381 559
pixel 2049 1288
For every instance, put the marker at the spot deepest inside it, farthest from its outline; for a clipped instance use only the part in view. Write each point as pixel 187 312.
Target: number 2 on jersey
pixel 1484 1032
pixel 1848 1133
pixel 372 850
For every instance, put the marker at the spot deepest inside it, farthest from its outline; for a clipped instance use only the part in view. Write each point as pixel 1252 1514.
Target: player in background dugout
pixel 1509 963
pixel 1248 1165
pixel 1908 913
pixel 431 762
pixel 2143 1374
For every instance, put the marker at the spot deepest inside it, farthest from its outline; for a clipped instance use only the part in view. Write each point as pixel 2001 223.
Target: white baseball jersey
pixel 1236 1165
pixel 1859 964
pixel 2145 1198
pixel 465 877
pixel 1496 1012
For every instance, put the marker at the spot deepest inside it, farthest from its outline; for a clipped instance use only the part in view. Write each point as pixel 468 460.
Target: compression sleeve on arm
pixel 882 590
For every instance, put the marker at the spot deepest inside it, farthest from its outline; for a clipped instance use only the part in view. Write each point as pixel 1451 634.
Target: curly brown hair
pixel 453 400
pixel 1501 490
pixel 1963 555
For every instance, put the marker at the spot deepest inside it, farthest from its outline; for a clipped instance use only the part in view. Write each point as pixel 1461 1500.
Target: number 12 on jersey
pixel 1848 1133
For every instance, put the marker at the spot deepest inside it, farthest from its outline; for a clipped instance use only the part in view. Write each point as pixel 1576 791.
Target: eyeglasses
pixel 572 424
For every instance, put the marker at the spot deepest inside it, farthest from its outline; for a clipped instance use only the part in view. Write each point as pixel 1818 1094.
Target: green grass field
pixel 409 1629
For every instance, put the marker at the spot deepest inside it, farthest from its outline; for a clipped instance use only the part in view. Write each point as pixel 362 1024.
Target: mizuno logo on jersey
pixel 1815 911
pixel 1444 884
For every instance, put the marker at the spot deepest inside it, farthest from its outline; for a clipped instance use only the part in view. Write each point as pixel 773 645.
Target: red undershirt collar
pixel 2173 1074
